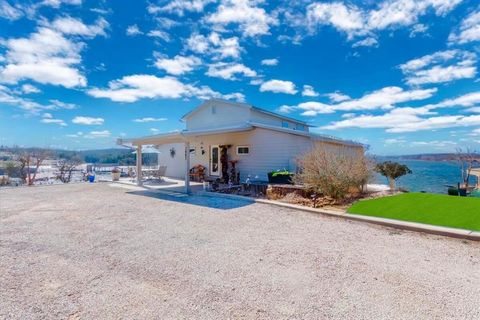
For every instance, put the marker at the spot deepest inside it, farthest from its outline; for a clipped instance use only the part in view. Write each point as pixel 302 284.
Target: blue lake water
pixel 429 176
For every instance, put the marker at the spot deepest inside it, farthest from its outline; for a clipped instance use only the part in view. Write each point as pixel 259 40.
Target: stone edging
pixel 404 225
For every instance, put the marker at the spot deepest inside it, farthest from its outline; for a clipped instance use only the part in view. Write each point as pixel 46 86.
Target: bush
pixel 282 177
pixel 280 173
pixel 334 171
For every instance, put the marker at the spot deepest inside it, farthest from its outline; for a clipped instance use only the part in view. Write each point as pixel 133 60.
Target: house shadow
pixel 192 199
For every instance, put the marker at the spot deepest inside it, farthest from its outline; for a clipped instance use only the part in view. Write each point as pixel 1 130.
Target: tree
pixel 12 169
pixel 66 168
pixel 30 160
pixel 393 171
pixel 334 171
pixel 466 159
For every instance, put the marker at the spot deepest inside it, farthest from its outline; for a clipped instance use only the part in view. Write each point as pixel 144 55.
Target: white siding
pixel 269 150
pixel 217 115
pixel 175 165
pixel 272 120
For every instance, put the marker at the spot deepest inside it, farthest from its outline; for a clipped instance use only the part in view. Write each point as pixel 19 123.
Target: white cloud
pixel 269 62
pixel 56 104
pixel 309 91
pixel 356 21
pixel 72 26
pixel 468 31
pixel 88 120
pixel 75 135
pixel 154 130
pixel 49 119
pixel 178 65
pixel 466 100
pixel 398 141
pixel 159 34
pixel 98 134
pixel 385 98
pixel 9 97
pixel 406 120
pixel 9 12
pixel 278 86
pixel 229 71
pixel 417 29
pixel 214 45
pixel 346 18
pixel 367 42
pixel 251 19
pixel 236 96
pixel 28 88
pixel 141 86
pixel 133 30
pixel 313 108
pixel 179 7
pixel 149 119
pixel 441 66
pixel 47 56
pixel 337 96
pixel 30 8
pixel 434 143
pixel 135 87
pixel 285 109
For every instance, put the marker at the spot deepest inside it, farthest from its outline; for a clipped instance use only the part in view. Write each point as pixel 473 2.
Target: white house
pixel 259 140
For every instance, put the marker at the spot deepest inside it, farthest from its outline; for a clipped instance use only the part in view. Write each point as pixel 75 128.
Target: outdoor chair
pixel 197 173
pixel 160 173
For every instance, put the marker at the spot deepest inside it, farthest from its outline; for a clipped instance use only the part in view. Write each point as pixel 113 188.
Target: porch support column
pixel 187 167
pixel 139 165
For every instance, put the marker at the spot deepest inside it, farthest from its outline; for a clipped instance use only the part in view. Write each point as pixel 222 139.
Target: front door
pixel 215 161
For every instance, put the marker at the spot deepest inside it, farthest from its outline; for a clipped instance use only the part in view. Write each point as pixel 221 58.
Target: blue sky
pixel 399 75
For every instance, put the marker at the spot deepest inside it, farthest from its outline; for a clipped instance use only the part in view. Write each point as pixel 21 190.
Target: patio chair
pixel 160 173
pixel 197 173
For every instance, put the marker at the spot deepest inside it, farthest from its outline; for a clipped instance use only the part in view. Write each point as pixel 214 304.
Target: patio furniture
pixel 197 173
pixel 160 173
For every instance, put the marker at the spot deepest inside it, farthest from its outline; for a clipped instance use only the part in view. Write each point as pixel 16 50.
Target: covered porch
pixel 208 148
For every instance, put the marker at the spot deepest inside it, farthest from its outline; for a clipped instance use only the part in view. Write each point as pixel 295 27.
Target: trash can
pixel 91 178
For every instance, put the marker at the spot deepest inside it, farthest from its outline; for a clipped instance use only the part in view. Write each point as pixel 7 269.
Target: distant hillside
pixel 113 155
pixel 429 157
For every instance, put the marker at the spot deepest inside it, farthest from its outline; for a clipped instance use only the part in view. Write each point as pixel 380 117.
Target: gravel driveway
pixel 100 252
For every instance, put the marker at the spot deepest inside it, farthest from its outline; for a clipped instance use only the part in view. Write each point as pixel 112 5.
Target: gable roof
pixel 242 105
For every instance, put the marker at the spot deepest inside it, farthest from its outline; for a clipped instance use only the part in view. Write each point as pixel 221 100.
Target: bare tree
pixel 466 159
pixel 334 171
pixel 66 168
pixel 30 161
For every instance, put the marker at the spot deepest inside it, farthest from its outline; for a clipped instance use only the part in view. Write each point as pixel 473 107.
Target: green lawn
pixel 436 209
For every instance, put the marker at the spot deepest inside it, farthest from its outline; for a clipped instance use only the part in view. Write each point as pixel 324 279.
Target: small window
pixel 243 150
pixel 284 124
pixel 214 110
pixel 300 127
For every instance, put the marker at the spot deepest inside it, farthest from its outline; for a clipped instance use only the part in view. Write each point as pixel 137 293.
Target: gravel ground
pixel 86 251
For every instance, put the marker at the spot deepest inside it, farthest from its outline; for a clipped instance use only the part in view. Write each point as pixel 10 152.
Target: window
pixel 300 127
pixel 214 110
pixel 284 124
pixel 243 150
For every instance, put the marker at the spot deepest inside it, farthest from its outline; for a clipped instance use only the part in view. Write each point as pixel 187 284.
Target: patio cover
pixel 175 137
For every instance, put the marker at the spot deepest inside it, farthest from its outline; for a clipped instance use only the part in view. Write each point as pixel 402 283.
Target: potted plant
pixel 280 177
pixel 116 174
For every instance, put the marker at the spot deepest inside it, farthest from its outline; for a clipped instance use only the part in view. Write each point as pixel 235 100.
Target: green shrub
pixel 280 173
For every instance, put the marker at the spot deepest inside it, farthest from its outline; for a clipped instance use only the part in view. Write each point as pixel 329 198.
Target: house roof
pixel 181 136
pixel 243 105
